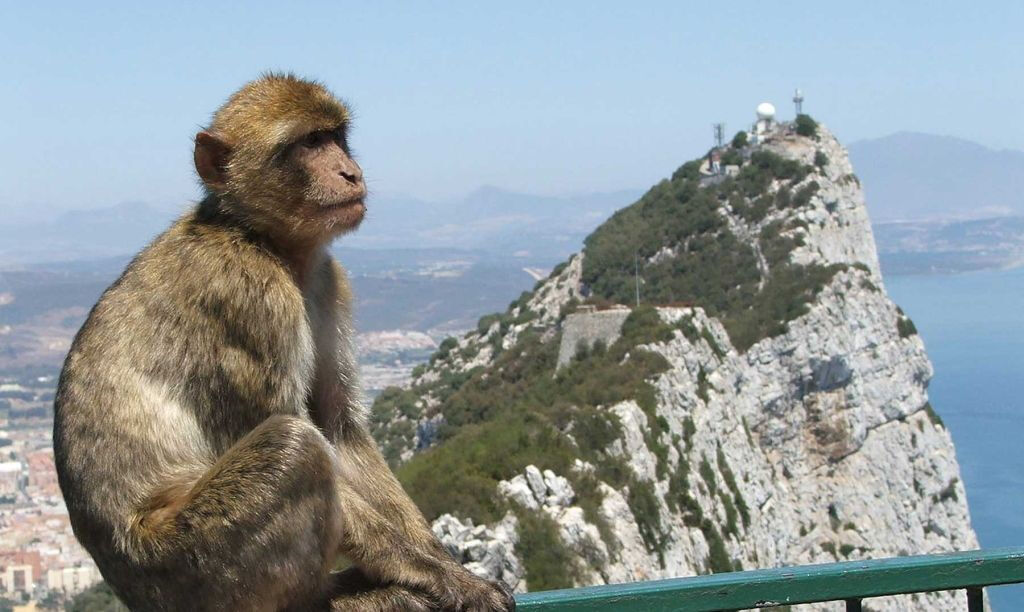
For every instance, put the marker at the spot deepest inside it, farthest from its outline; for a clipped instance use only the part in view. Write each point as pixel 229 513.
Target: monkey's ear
pixel 211 158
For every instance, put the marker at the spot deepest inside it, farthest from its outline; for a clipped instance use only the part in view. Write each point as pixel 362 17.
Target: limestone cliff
pixel 775 418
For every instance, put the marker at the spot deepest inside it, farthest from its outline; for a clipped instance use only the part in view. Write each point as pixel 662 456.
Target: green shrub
pixel 775 246
pixel 558 269
pixel 486 322
pixel 686 325
pixel 820 159
pixel 702 385
pixel 739 140
pixel 731 525
pixel 689 429
pixel 678 485
pixel 444 350
pixel 948 492
pixel 589 499
pixel 705 333
pixel 803 195
pixel 718 557
pixel 933 416
pixel 905 327
pixel 547 561
pixel 708 475
pixel 734 488
pixel 97 598
pixel 643 503
pixel 805 126
pixel 732 157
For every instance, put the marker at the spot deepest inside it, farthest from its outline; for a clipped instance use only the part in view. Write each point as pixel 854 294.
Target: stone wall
pixel 586 328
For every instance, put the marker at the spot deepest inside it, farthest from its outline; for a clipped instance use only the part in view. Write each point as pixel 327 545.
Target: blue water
pixel 973 329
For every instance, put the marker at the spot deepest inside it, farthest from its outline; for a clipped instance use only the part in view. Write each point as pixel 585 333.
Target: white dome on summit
pixel 766 110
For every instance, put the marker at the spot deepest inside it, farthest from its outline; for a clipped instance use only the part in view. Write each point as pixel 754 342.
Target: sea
pixel 973 329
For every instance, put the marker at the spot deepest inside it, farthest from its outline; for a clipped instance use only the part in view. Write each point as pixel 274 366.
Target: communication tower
pixel 798 101
pixel 719 134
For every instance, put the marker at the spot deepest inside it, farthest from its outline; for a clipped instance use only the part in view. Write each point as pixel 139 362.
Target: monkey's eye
pixel 314 139
pixel 340 137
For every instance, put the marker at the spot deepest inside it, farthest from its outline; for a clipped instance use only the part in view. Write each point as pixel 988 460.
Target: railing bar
pixel 793 585
pixel 853 605
pixel 975 599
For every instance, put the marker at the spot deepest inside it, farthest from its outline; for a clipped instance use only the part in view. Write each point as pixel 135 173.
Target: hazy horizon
pixel 44 215
pixel 534 98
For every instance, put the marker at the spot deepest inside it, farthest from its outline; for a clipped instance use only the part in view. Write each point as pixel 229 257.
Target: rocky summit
pixel 718 381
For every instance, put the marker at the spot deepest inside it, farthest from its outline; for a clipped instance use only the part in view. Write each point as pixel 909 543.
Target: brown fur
pixel 208 434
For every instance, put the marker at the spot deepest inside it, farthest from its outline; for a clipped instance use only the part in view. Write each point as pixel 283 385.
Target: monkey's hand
pixel 465 592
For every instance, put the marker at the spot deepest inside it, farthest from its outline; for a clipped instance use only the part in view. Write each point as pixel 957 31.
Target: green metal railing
pixel 849 581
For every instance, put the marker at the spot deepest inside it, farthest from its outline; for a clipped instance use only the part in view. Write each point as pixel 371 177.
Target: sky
pixel 100 101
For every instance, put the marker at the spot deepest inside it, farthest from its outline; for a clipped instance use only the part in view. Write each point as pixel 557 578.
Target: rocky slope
pixel 770 409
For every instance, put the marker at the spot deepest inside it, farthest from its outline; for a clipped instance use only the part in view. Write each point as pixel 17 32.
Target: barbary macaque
pixel 209 437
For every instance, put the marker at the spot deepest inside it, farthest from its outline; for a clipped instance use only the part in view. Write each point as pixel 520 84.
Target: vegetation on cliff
pixel 705 245
pixel 517 413
pixel 687 252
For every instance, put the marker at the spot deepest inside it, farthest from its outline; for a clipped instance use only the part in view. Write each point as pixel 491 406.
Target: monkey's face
pixel 333 191
pixel 276 155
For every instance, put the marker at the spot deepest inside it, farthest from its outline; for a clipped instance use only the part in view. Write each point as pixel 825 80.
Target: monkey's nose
pixel 352 175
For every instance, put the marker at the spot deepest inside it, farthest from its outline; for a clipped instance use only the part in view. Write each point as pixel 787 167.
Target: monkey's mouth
pixel 342 204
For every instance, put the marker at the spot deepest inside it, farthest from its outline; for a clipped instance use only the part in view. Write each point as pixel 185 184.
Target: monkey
pixel 210 441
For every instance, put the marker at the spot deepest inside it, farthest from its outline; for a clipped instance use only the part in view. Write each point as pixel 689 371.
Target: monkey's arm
pixel 365 469
pixel 342 415
pixel 387 536
pixel 399 545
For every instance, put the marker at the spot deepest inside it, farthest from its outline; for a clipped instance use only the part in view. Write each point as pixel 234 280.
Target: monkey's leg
pixel 354 592
pixel 259 530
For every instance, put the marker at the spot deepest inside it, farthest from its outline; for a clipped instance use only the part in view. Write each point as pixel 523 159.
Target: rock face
pixel 487 552
pixel 813 445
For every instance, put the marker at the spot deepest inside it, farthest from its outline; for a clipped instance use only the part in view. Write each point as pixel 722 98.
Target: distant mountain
pixel 539 230
pixel 84 234
pixel 546 228
pixel 935 247
pixel 906 176
pixel 913 176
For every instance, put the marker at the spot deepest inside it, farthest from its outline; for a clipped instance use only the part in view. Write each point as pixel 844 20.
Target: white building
pixel 765 122
pixel 71 580
pixel 17 579
pixel 10 477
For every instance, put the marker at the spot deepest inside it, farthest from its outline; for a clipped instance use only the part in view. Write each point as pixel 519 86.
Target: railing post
pixel 853 605
pixel 975 599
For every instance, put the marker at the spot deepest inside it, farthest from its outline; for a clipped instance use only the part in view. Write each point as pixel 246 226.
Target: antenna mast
pixel 636 275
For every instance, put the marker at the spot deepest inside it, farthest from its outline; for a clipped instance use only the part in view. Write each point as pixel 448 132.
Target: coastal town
pixel 40 560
